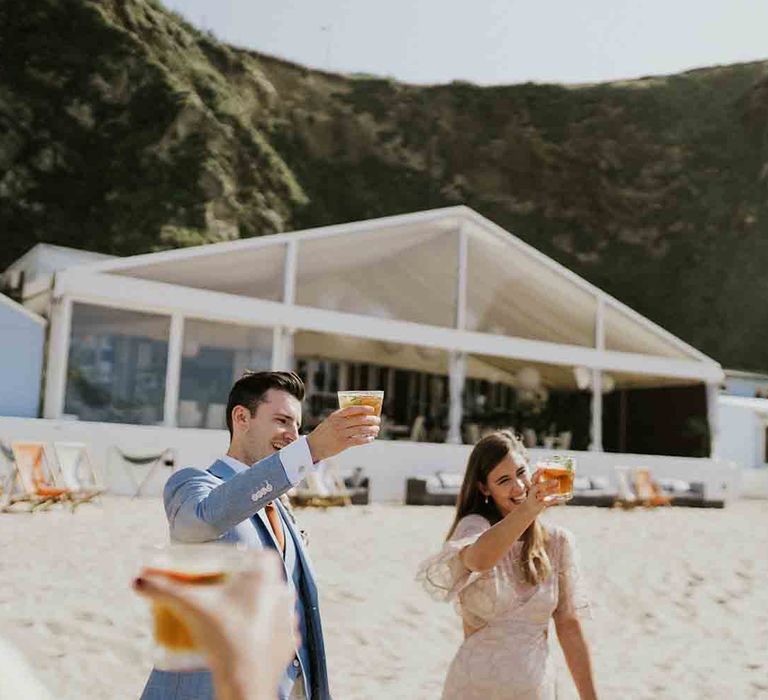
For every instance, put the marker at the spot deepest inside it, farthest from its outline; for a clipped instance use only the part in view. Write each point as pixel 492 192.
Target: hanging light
pixel 389 348
pixel 584 380
pixel 528 378
pixel 583 377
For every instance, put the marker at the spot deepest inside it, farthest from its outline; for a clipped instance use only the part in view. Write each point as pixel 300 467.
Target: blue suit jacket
pixel 220 504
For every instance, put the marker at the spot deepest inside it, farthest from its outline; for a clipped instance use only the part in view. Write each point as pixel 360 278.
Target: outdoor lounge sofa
pixel 440 489
pixel 690 494
pixel 592 491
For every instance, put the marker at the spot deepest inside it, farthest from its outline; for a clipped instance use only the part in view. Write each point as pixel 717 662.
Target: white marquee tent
pixel 446 291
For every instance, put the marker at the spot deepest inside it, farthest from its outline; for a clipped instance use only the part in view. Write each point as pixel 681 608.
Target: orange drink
pixel 170 630
pixel 362 398
pixel 561 469
pixel 192 565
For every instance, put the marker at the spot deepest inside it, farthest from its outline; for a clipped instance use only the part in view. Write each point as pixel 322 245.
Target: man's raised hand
pixel 347 427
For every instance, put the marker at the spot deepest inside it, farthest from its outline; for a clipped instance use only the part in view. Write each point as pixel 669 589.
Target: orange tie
pixel 277 527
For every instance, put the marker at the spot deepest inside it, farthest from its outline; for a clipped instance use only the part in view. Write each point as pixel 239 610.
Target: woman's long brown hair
pixel 486 455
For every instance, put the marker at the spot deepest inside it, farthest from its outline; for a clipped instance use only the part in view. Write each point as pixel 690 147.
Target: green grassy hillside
pixel 124 130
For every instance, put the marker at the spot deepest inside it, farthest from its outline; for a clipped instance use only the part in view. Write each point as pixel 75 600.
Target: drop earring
pixel 486 500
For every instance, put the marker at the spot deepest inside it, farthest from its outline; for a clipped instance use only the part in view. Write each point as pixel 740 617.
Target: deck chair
pixel 648 490
pixel 76 472
pixel 323 488
pixel 625 497
pixel 150 463
pixel 32 482
pixel 7 471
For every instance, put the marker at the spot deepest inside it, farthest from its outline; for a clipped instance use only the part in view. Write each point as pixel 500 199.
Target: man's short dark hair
pixel 250 390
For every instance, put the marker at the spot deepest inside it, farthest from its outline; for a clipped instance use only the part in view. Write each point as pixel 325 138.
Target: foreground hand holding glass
pixel 245 627
pixel 193 565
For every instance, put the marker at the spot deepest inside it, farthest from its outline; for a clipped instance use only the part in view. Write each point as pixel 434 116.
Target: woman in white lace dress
pixel 509 575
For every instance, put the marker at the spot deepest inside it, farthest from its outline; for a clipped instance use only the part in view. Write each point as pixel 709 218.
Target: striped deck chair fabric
pixel 33 482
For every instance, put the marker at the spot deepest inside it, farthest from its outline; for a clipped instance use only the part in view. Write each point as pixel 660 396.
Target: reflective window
pixel 214 356
pixel 116 368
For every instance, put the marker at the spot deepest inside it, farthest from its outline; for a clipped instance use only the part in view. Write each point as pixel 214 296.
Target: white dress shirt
pixel 295 458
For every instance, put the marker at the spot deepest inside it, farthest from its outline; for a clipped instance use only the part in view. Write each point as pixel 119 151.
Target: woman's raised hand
pixel 539 490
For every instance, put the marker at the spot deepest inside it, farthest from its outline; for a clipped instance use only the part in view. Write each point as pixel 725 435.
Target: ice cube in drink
pixel 362 398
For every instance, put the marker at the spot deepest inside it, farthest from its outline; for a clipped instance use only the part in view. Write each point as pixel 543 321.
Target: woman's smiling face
pixel 508 483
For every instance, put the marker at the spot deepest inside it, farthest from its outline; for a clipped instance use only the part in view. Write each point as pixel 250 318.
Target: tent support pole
pixel 458 372
pixel 596 442
pixel 713 391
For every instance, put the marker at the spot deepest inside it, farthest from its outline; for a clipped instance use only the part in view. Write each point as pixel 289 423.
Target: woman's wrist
pixel 530 508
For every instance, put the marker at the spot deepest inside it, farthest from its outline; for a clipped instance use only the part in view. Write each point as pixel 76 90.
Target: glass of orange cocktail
pixel 193 565
pixel 375 399
pixel 562 469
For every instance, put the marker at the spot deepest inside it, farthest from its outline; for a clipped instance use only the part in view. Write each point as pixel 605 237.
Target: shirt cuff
pixel 297 460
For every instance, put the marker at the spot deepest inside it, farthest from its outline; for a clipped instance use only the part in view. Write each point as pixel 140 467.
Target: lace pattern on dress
pixel 480 596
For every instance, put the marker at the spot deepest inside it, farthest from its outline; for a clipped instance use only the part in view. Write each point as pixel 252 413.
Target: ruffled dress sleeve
pixel 445 578
pixel 573 598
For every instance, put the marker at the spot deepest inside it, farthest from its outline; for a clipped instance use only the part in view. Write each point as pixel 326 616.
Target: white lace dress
pixel 507 658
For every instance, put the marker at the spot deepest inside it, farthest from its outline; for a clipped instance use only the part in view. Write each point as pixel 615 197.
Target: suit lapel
pixel 262 516
pixel 287 523
pixel 221 469
pixel 298 543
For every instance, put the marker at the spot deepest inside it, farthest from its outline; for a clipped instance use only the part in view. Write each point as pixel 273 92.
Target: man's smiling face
pixel 274 424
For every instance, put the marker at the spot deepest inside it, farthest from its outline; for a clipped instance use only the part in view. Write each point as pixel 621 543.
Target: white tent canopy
pixel 471 296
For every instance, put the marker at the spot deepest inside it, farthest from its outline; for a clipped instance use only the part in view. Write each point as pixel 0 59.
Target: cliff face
pixel 124 130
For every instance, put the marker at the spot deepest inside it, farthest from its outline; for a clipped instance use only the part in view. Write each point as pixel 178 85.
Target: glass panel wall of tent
pixel 417 400
pixel 117 365
pixel 214 355
pixel 118 361
pixel 116 370
pixel 653 419
pixel 416 405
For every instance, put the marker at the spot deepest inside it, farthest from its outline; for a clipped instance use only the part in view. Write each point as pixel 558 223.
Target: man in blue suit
pixel 236 500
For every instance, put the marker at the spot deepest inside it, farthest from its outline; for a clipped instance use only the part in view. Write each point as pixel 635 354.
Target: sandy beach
pixel 681 601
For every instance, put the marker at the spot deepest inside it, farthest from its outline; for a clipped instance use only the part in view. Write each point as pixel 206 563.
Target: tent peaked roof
pixel 405 267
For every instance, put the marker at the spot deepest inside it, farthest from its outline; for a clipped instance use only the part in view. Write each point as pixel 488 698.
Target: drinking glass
pixel 192 565
pixel 362 398
pixel 562 469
